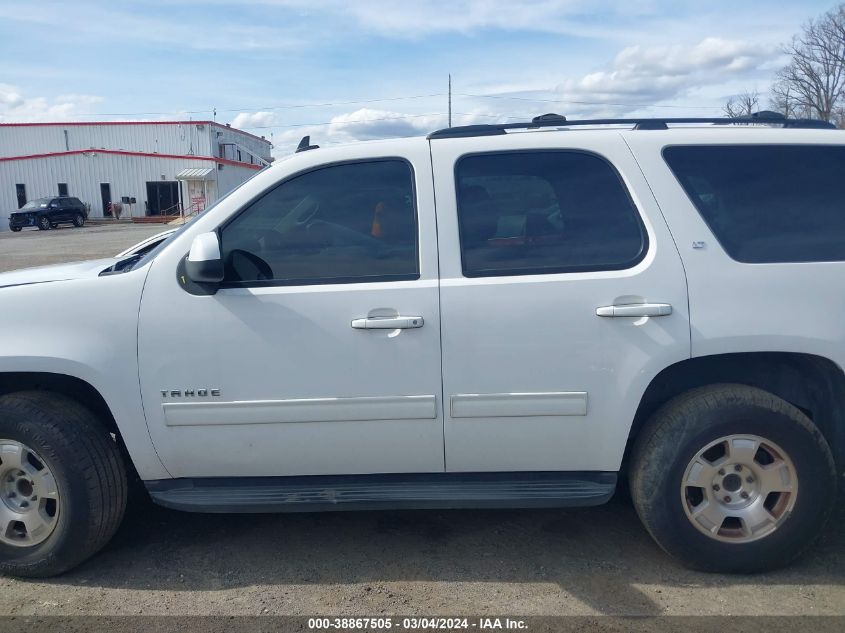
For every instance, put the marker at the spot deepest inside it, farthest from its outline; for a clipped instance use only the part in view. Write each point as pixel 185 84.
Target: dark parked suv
pixel 47 213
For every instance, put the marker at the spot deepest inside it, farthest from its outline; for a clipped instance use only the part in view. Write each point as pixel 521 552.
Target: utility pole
pixel 450 99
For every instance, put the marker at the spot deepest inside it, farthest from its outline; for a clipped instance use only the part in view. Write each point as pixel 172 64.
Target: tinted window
pixel 768 203
pixel 544 212
pixel 346 223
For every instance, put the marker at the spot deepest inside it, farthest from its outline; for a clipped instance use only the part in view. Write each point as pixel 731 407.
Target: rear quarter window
pixel 768 203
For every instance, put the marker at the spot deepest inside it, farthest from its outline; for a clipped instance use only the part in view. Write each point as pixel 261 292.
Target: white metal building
pixel 167 167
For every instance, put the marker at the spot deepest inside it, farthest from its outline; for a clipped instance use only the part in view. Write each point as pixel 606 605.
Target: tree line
pixel 812 84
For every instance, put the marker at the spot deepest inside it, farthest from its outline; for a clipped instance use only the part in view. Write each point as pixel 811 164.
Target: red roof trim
pixel 79 123
pixel 220 161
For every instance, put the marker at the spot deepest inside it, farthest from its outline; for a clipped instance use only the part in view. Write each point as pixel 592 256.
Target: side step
pixel 391 491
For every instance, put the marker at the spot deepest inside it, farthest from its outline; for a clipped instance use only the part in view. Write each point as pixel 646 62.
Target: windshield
pixel 40 203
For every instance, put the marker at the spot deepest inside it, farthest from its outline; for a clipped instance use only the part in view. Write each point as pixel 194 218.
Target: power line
pixel 273 107
pixel 337 103
pixel 388 118
pixel 577 102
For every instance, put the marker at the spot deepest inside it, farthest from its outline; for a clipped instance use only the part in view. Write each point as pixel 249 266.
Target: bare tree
pixel 742 105
pixel 813 81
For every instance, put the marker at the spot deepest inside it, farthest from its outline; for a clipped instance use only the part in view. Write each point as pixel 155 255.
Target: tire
pixel 671 455
pixel 78 220
pixel 89 483
pixel 44 223
pixel 15 229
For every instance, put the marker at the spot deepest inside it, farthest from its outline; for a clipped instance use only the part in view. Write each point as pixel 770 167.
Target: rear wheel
pixel 731 478
pixel 15 229
pixel 44 223
pixel 78 220
pixel 62 484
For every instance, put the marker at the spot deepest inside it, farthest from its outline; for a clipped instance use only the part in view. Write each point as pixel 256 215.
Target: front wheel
pixel 44 223
pixel 731 478
pixel 62 484
pixel 78 220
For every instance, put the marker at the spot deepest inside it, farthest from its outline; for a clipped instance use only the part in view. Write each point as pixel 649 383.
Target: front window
pixel 353 222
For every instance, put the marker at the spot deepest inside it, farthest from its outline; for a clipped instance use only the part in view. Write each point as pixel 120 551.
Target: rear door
pixel 562 296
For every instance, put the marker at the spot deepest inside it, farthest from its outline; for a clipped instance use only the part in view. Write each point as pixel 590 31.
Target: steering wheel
pixel 305 211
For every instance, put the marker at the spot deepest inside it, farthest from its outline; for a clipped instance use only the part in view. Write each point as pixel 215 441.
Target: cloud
pixel 643 76
pixel 254 120
pixel 14 107
pixel 367 124
pixel 639 80
pixel 202 32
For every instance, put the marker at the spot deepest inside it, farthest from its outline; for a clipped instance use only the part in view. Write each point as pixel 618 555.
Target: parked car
pixel 515 315
pixel 47 213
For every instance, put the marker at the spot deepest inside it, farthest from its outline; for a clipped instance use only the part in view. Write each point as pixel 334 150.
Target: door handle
pixel 635 310
pixel 388 323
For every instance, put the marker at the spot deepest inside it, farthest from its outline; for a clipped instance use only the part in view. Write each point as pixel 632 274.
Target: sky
pixel 347 70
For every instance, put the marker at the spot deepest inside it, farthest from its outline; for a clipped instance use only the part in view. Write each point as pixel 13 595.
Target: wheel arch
pixel 813 383
pixel 76 389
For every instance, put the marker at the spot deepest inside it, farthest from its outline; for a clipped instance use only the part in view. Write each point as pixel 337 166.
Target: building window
pixel 62 188
pixel 239 156
pixel 20 191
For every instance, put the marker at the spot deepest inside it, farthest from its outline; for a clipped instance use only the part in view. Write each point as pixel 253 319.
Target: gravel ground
pixel 586 561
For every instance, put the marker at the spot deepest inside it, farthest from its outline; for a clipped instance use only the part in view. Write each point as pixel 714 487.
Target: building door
pixel 163 198
pixel 20 191
pixel 63 189
pixel 105 195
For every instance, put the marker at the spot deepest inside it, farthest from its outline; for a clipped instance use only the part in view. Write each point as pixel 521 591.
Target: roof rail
pixel 558 121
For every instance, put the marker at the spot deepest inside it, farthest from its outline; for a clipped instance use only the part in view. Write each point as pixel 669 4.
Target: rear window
pixel 768 203
pixel 539 212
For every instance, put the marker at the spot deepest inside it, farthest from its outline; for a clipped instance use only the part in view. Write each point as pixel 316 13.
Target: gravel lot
pixel 540 562
pixel 32 247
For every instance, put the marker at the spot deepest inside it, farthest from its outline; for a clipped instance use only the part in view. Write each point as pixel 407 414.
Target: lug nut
pixel 737 468
pixel 743 494
pixel 749 480
pixel 12 495
pixel 24 504
pixel 717 487
pixel 727 498
pixel 722 471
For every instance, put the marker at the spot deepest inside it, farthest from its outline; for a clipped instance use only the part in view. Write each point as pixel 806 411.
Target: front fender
pixel 86 329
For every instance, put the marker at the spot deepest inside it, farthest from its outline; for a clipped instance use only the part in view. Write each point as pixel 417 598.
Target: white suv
pixel 506 315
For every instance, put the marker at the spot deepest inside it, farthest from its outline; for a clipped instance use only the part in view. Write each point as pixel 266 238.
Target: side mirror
pixel 205 264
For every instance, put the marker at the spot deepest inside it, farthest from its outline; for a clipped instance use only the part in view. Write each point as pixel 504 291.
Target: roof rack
pixel 557 120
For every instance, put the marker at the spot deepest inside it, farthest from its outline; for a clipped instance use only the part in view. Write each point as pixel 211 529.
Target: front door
pixel 562 296
pixel 162 198
pixel 321 353
pixel 105 196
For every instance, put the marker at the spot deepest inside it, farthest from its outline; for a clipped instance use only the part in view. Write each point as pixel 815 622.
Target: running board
pixel 382 492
